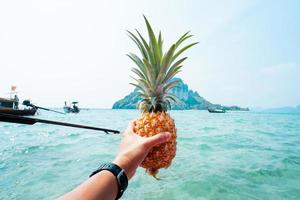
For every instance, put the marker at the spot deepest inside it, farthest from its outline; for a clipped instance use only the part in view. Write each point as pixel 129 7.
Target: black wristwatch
pixel 119 174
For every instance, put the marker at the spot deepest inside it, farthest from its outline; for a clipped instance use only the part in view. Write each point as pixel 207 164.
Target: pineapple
pixel 154 73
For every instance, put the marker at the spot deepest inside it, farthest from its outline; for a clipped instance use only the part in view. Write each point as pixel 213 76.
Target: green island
pixel 187 100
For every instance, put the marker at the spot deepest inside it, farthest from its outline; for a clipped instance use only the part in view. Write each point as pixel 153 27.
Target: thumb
pixel 158 139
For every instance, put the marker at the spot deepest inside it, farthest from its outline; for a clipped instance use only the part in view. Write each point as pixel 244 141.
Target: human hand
pixel 134 149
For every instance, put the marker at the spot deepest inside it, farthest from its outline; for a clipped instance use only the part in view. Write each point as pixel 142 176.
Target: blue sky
pixel 248 55
pixel 255 57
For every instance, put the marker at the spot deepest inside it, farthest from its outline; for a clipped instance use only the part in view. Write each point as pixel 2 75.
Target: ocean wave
pixel 261 172
pixel 205 147
pixel 265 132
pixel 38 148
pixel 293 160
pixel 73 135
pixel 32 149
pixel 208 128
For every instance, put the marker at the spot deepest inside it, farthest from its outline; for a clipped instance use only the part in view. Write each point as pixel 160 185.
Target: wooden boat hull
pixel 24 112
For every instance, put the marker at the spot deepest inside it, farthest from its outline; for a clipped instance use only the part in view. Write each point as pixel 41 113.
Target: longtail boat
pixel 71 109
pixel 11 106
pixel 212 110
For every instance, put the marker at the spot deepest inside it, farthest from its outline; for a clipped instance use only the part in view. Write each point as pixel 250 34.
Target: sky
pixel 65 50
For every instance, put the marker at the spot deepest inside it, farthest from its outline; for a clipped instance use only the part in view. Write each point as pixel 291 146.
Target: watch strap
pixel 118 172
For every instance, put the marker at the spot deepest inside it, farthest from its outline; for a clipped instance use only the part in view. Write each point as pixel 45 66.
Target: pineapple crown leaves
pixel 155 69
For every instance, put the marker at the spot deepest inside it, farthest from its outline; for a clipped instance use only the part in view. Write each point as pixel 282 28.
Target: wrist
pixel 118 173
pixel 124 163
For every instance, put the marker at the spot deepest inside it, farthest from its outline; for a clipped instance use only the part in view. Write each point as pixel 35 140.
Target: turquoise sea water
pixel 237 155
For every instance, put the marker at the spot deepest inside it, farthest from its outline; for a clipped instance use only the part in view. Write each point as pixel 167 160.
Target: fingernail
pixel 167 136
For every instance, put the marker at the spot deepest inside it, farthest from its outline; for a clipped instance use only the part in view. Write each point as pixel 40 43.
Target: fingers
pixel 130 127
pixel 157 139
pixel 131 124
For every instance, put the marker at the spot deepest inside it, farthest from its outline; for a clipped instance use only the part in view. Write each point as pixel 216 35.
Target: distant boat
pixel 71 109
pixel 11 106
pixel 211 110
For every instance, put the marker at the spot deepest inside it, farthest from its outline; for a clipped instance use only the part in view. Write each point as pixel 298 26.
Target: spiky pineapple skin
pixel 161 156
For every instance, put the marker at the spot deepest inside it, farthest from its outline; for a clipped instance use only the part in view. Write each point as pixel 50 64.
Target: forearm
pixel 102 185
